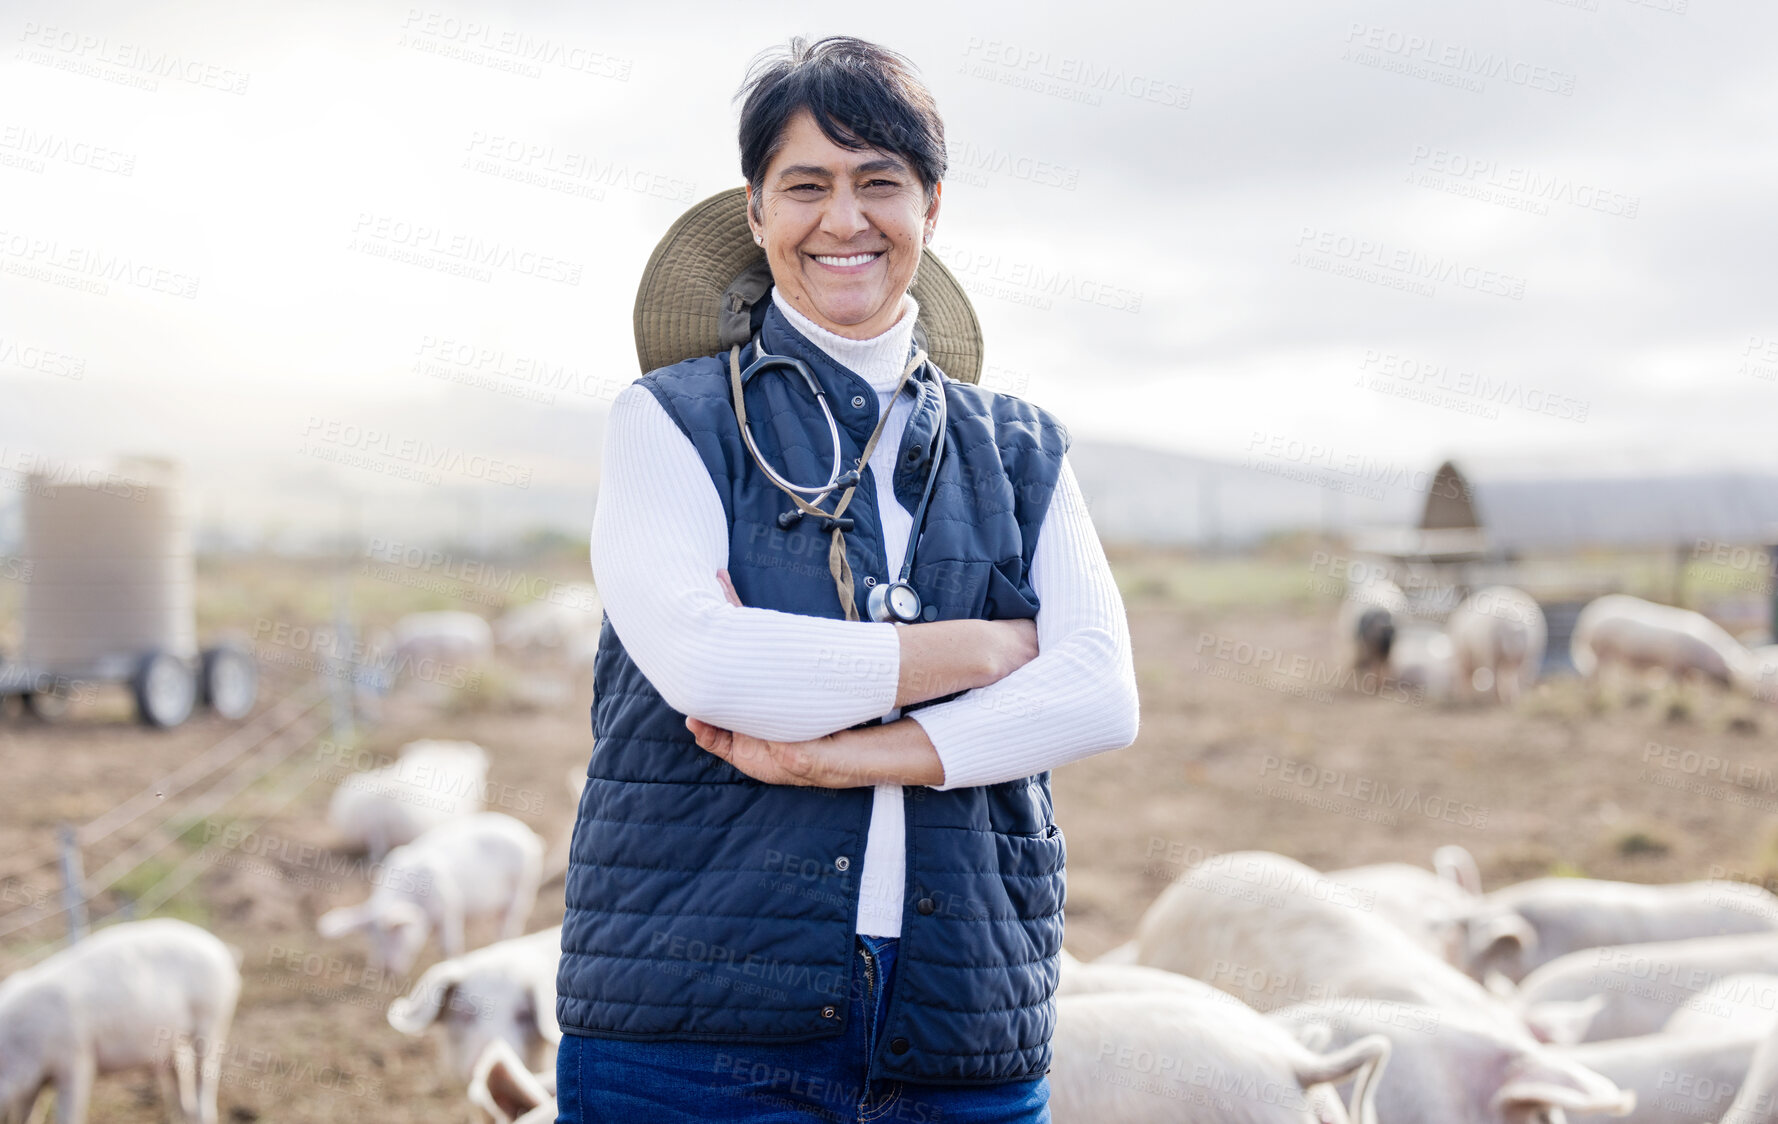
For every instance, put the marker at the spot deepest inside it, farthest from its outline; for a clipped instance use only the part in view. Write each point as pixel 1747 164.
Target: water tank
pixel 111 563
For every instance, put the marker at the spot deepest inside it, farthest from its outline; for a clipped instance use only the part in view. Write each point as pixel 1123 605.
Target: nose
pixel 843 218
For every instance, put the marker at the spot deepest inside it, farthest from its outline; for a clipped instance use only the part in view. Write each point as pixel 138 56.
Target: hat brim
pixel 678 303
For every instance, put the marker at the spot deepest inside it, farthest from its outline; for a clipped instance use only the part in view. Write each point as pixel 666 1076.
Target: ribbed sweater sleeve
pixel 1078 697
pixel 659 536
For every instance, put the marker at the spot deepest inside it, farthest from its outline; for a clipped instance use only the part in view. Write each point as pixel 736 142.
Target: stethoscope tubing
pixel 763 360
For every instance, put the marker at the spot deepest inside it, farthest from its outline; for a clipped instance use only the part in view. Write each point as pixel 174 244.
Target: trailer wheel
pixel 48 706
pixel 165 689
pixel 228 681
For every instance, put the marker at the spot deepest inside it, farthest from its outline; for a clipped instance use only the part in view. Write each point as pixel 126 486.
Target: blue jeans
pixel 610 1079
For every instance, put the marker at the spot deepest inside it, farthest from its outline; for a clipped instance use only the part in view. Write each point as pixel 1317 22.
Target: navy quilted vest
pixel 704 905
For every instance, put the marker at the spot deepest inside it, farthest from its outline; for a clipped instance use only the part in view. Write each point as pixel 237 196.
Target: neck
pixel 878 360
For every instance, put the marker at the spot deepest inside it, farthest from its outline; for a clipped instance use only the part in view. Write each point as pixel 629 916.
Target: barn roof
pixel 1501 509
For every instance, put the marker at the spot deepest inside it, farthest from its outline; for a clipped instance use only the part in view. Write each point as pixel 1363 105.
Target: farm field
pixel 1238 750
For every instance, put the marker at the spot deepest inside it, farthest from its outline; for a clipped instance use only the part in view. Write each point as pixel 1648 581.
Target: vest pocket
pixel 1031 870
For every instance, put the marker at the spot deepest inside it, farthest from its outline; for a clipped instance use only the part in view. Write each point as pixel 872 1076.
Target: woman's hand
pixel 728 588
pixel 811 764
pixel 896 752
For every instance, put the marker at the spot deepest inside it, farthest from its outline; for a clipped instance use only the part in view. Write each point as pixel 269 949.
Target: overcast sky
pixel 1511 228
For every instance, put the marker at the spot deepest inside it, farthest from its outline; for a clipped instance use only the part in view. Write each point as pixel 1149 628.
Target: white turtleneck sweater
pixel 659 536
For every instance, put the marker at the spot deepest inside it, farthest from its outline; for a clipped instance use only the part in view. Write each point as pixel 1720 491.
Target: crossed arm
pixel 775 693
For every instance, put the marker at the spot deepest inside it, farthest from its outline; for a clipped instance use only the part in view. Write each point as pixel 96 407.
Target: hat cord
pixel 837 562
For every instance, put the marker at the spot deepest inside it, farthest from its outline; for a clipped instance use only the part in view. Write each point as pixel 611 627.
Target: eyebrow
pixel 883 164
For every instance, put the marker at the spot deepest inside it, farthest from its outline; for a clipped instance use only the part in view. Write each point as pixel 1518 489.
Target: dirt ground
pixel 1245 744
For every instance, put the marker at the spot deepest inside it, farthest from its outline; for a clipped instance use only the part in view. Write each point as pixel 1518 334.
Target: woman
pixel 787 898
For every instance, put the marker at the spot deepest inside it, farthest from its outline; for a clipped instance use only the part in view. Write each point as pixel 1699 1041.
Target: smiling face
pixel 842 229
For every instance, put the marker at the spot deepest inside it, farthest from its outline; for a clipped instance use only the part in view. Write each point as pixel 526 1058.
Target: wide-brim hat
pixel 703 278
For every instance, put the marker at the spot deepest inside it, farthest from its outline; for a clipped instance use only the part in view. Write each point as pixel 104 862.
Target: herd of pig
pixel 1256 991
pixel 1260 990
pixel 161 993
pixel 1492 647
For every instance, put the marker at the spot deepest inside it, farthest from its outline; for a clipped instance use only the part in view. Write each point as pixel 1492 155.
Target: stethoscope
pixel 896 601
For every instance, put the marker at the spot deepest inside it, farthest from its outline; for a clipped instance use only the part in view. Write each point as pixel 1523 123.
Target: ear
pixel 339 922
pixel 1456 865
pixel 1561 1023
pixel 502 1086
pixel 1497 938
pixel 420 1008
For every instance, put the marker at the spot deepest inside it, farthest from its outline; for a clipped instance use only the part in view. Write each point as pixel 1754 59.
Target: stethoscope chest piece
pixel 895 601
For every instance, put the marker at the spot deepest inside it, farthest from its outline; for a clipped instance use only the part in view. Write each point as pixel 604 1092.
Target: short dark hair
pixel 860 94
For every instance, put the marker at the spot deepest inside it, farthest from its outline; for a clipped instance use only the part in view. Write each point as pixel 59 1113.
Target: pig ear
pixel 1562 1023
pixel 420 1008
pixel 1455 864
pixel 1499 937
pixel 1547 1081
pixel 339 922
pixel 502 1086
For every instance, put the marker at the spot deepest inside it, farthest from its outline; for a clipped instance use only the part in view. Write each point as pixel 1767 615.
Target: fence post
pixel 343 666
pixel 73 885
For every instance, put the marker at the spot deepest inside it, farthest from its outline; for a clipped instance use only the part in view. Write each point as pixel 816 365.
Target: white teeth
pixel 855 259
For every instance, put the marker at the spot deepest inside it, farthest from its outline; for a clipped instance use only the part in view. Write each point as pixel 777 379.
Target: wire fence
pixel 190 794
